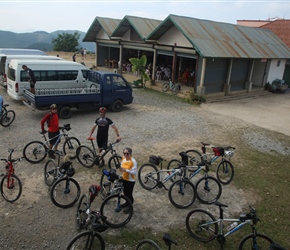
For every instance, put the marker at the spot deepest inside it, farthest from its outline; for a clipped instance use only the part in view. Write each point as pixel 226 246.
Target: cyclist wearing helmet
pixel 103 124
pixel 51 119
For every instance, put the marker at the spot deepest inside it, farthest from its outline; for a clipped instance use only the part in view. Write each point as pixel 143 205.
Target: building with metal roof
pixel 221 57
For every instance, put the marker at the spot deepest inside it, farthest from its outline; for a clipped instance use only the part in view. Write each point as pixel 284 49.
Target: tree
pixel 66 42
pixel 139 65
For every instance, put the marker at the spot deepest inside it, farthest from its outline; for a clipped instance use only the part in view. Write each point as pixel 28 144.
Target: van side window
pixel 118 81
pixel 11 74
pixel 50 75
pixel 67 75
pixel 23 76
pixel 85 74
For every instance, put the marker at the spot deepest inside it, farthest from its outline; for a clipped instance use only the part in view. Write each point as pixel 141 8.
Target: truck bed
pixel 43 98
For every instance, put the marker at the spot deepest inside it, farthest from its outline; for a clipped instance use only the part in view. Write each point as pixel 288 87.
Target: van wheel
pixel 65 113
pixel 117 106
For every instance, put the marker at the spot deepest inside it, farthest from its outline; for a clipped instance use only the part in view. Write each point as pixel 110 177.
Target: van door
pixel 116 88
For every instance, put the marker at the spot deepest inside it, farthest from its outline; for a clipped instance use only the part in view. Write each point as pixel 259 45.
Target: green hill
pixel 37 40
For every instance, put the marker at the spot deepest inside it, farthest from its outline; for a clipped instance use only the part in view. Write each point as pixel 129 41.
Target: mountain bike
pixel 111 207
pixel 88 157
pixel 150 244
pixel 11 186
pixel 90 239
pixel 204 227
pixel 54 171
pixel 65 191
pixel 7 116
pixel 225 169
pixel 174 87
pixel 151 177
pixel 36 151
pixel 182 192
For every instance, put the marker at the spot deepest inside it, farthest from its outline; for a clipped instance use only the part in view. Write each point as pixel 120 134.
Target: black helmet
pixel 70 172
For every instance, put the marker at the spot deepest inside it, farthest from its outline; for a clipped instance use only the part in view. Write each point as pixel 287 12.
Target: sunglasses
pixel 126 153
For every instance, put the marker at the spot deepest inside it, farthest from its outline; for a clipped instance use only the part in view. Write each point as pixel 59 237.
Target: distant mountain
pixel 38 40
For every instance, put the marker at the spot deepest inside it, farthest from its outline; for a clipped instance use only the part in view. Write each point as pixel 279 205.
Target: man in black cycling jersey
pixel 103 124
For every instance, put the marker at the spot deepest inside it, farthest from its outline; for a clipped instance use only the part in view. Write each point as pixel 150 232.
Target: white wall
pixel 172 36
pixel 276 71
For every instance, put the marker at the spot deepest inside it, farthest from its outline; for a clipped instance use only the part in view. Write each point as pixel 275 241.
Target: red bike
pixel 11 187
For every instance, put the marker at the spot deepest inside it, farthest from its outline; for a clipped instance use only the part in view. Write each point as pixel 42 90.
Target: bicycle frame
pixel 46 141
pixel 173 172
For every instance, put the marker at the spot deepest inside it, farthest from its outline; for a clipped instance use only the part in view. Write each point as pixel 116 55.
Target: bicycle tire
pixel 200 226
pixel 35 151
pixel 147 244
pixel 112 210
pixel 173 164
pixel 148 176
pixel 81 215
pixel 182 198
pixel 13 192
pixel 86 156
pixel 114 162
pixel 88 240
pixel 208 189
pixel 7 118
pixel 70 146
pixel 262 241
pixel 105 185
pixel 165 87
pixel 195 159
pixel 225 172
pixel 62 196
pixel 50 172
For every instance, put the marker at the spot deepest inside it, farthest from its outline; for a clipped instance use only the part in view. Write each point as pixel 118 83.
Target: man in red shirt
pixel 51 119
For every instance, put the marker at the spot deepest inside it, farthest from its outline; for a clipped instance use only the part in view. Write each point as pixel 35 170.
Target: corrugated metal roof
pixel 215 39
pixel 143 26
pixel 108 24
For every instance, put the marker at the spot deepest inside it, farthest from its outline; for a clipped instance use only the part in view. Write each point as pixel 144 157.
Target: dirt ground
pixel 150 126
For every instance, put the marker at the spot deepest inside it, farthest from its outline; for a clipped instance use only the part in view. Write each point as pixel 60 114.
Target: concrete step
pixel 238 95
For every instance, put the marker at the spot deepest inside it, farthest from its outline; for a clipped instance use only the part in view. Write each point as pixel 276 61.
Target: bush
pixel 197 98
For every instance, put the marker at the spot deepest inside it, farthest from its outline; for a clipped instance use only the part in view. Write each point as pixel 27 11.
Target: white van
pixel 10 51
pixel 5 60
pixel 48 74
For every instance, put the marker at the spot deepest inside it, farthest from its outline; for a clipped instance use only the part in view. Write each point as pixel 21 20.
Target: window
pixel 11 74
pixel 278 63
pixel 118 81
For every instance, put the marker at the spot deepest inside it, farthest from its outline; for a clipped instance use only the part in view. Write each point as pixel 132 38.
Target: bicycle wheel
pixel 173 164
pixel 85 156
pixel 208 189
pixel 88 240
pixel 225 172
pixel 174 89
pixel 148 176
pixel 65 192
pixel 147 245
pixel 259 242
pixel 35 151
pixel 7 118
pixel 81 212
pixel 70 146
pixel 195 158
pixel 11 187
pixel 105 185
pixel 50 172
pixel 115 162
pixel 116 216
pixel 200 225
pixel 165 87
pixel 182 193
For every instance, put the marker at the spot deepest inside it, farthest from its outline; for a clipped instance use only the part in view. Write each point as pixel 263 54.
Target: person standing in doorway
pixel 31 78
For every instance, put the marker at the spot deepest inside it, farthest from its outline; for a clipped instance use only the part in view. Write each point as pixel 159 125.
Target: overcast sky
pixel 28 16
